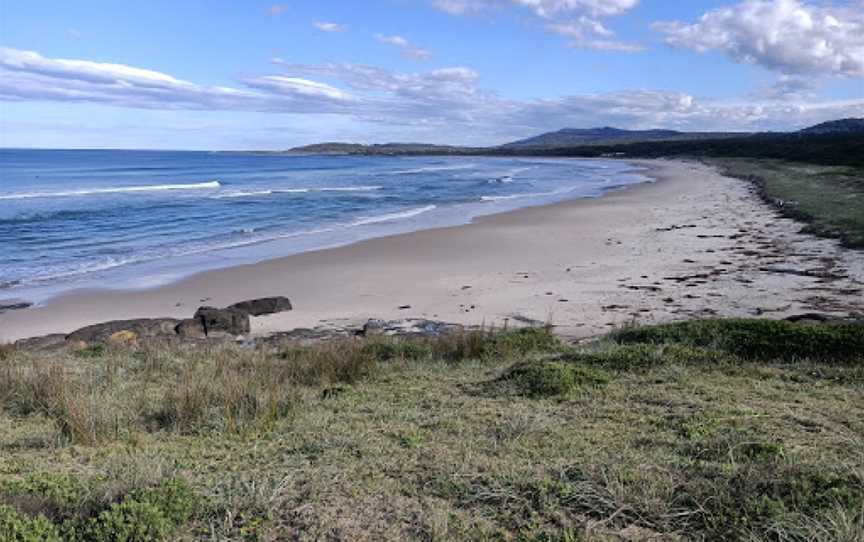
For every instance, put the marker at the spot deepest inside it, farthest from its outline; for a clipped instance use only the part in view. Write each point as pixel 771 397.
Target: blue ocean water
pixel 131 219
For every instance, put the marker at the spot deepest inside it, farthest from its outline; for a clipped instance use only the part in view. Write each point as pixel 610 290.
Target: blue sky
pixel 262 75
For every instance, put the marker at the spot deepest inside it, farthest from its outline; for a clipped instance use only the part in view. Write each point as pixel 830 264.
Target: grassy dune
pixel 669 433
pixel 829 199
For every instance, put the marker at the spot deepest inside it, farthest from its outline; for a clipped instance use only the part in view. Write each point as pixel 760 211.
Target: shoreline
pixel 653 251
pixel 140 274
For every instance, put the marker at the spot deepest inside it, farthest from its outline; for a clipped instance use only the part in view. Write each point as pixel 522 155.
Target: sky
pixel 232 74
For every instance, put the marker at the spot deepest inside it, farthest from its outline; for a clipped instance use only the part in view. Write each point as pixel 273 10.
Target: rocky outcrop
pixel 14 305
pixel 222 322
pixel 373 327
pixel 192 328
pixel 142 329
pixel 207 323
pixel 44 343
pixel 263 306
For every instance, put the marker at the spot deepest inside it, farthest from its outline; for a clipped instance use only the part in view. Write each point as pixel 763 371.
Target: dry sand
pixel 693 244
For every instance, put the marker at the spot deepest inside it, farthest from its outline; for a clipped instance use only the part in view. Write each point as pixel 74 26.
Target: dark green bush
pixel 757 494
pixel 491 344
pixel 15 527
pixel 552 378
pixel 91 352
pixel 758 339
pixel 128 521
pixel 634 357
pixel 394 349
pixel 144 514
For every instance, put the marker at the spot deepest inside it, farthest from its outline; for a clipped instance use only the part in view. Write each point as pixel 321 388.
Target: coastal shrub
pixel 53 391
pixel 552 378
pixel 46 505
pixel 128 521
pixel 90 352
pixel 144 514
pixel 335 362
pixel 15 527
pixel 495 345
pixel 6 351
pixel 235 399
pixel 398 349
pixel 642 356
pixel 761 497
pixel 55 496
pixel 758 339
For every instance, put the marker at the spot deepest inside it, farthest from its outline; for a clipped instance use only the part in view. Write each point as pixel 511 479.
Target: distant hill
pixel 841 126
pixel 836 142
pixel 580 136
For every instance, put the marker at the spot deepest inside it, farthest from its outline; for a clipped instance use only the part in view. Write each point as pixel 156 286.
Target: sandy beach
pixel 692 244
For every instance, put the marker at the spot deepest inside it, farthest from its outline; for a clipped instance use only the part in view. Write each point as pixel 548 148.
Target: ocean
pixel 137 219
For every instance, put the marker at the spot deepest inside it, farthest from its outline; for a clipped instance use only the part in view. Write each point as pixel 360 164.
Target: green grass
pixel 757 339
pixel 830 199
pixel 664 433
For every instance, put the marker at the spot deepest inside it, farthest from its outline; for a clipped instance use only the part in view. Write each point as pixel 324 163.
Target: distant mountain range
pixel 842 126
pixel 578 137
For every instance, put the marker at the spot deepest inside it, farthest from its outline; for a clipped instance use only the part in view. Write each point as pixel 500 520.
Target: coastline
pixel 691 244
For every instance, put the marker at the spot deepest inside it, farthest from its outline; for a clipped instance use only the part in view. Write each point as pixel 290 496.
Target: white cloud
pixel 296 85
pixel 586 33
pixel 443 105
pixel 578 20
pixel 329 27
pixel 788 36
pixel 408 50
pixel 596 8
pixel 26 75
pixel 789 88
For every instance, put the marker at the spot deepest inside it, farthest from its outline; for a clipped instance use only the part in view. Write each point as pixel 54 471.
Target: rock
pixel 223 321
pixel 46 342
pixel 123 338
pixel 265 305
pixel 14 305
pixel 143 329
pixel 374 327
pixel 77 345
pixel 192 328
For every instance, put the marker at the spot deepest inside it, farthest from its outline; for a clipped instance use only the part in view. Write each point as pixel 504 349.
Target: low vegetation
pixel 717 430
pixel 829 199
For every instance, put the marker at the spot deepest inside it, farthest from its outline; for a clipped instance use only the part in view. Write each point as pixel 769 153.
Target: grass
pixel 716 430
pixel 830 199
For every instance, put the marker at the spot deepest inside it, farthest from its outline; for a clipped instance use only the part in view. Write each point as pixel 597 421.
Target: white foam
pixel 431 169
pixel 528 195
pixel 270 192
pixel 393 216
pixel 113 190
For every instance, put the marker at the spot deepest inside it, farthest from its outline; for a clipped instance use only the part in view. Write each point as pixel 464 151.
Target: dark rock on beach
pixel 47 342
pixel 142 328
pixel 14 305
pixel 373 327
pixel 263 306
pixel 192 328
pixel 223 321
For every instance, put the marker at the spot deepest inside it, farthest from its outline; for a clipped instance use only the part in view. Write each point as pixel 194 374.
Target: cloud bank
pixel 443 105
